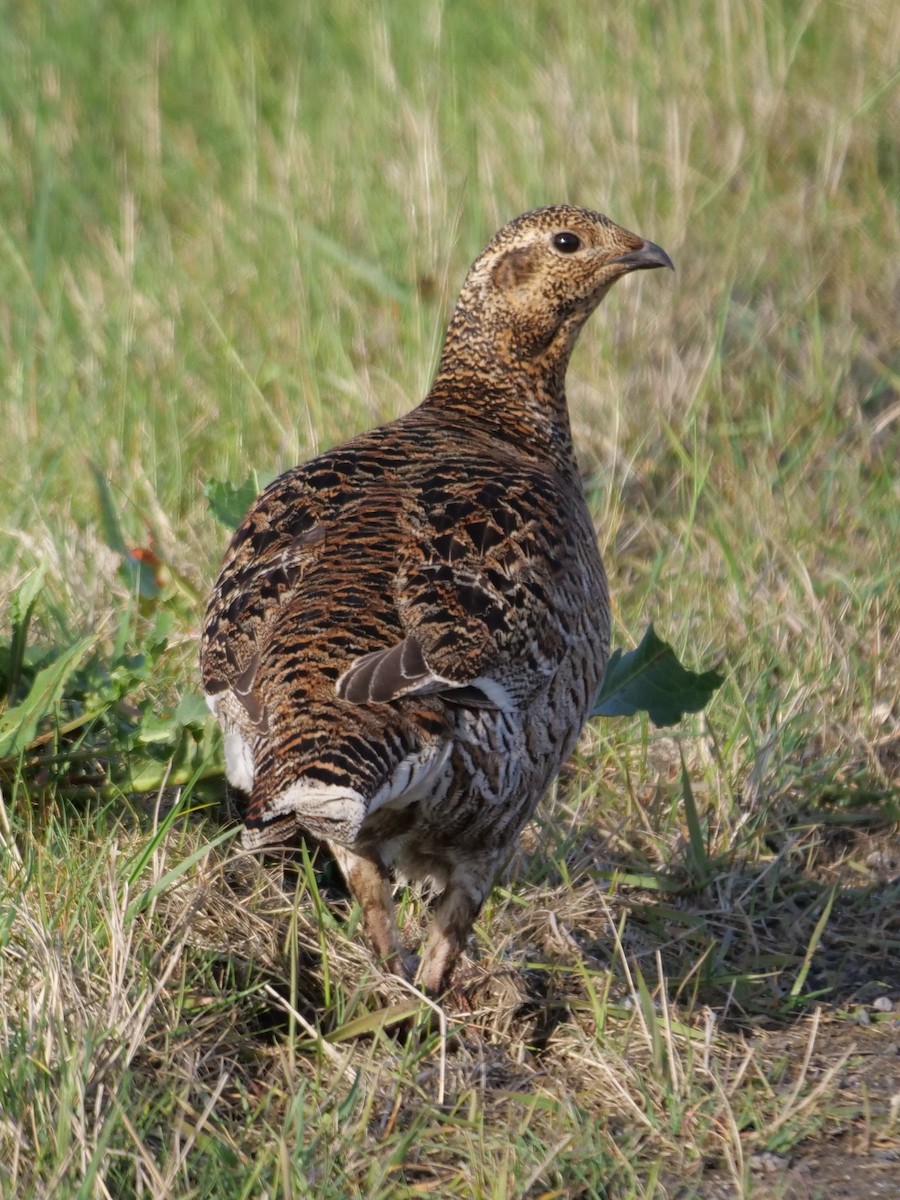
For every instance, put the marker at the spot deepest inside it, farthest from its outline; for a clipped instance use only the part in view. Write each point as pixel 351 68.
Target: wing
pixel 295 525
pixel 480 593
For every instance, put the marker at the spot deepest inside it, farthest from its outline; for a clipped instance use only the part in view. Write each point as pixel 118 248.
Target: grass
pixel 229 239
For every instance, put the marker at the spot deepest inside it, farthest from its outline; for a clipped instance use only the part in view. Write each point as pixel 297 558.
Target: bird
pixel 407 632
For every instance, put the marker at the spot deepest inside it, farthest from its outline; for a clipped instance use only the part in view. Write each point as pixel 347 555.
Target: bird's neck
pixel 509 384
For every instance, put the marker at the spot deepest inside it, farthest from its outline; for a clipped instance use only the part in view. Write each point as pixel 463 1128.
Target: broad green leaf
pixel 139 568
pixel 229 502
pixel 21 610
pixel 23 600
pixel 109 517
pixel 19 725
pixel 651 679
pixel 164 727
pixel 192 709
pixel 138 571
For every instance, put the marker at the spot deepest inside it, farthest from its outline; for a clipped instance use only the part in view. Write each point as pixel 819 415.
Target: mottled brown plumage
pixel 407 632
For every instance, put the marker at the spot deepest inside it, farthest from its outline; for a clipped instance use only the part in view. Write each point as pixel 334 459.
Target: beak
pixel 646 257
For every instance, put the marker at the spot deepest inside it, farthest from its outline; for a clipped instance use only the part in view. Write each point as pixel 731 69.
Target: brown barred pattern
pixel 407 632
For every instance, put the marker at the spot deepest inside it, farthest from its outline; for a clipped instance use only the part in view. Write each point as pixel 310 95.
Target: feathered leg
pixel 454 916
pixel 370 883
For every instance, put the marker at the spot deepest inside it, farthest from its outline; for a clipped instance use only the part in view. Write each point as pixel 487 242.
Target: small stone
pixel 885 861
pixel 883 1004
pixel 764 1162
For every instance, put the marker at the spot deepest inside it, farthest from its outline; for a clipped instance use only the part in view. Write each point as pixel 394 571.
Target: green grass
pixel 229 239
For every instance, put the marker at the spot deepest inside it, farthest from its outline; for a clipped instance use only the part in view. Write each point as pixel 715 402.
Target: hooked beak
pixel 646 257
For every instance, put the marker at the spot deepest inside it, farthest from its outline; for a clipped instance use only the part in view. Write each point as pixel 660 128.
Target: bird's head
pixel 541 276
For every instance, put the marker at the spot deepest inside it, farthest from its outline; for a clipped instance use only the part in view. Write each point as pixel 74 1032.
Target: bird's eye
pixel 567 242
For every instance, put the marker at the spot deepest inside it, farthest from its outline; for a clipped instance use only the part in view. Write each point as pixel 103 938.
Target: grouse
pixel 407 632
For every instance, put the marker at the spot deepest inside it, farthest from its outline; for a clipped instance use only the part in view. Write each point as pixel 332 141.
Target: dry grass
pixel 229 239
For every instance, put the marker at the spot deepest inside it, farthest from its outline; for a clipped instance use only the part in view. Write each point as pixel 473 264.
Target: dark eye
pixel 567 242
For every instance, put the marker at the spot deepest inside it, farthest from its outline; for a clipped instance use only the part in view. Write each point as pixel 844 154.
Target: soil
pixel 857 1159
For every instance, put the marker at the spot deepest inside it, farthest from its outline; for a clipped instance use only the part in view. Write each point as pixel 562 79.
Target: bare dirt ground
pixel 845 1163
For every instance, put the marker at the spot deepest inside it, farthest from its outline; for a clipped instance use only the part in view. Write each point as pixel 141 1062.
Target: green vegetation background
pixel 230 235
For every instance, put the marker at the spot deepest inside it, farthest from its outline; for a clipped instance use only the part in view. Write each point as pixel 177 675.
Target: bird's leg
pixel 454 916
pixel 370 883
